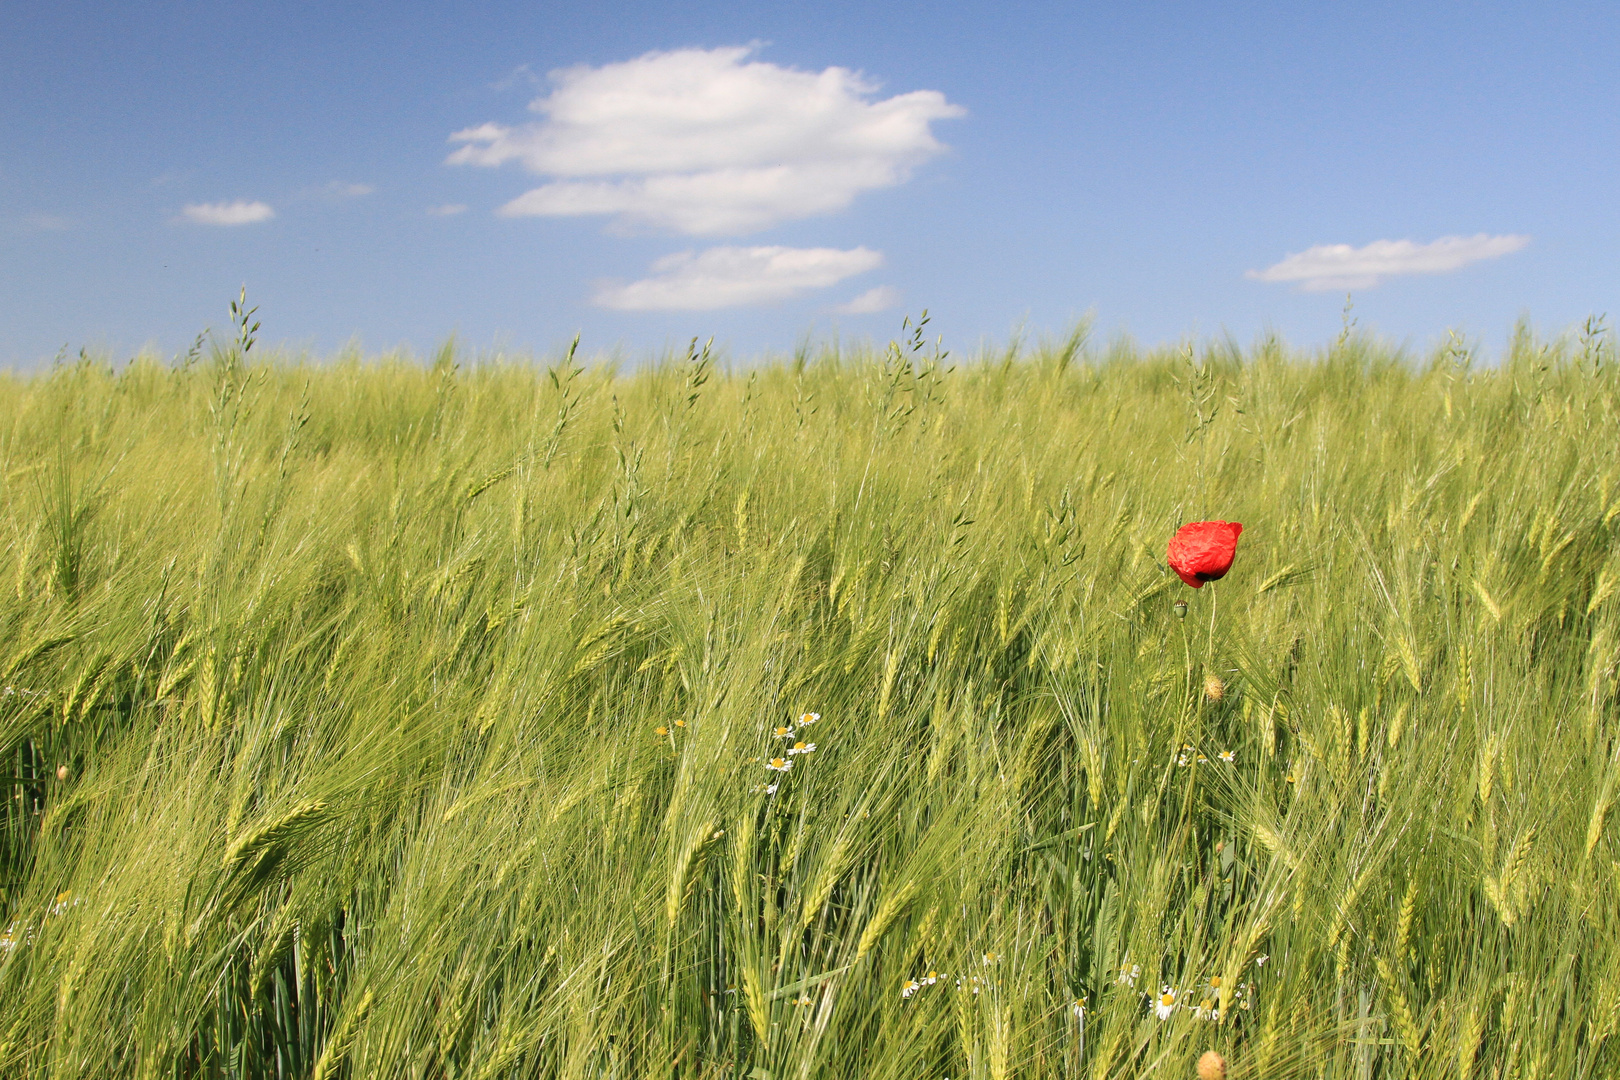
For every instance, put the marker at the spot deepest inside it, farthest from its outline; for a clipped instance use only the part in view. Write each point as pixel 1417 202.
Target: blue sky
pixel 645 173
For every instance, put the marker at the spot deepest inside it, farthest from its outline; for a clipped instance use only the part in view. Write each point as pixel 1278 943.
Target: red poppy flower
pixel 1202 551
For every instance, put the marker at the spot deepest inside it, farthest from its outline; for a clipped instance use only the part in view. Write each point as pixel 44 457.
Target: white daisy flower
pixel 1166 1003
pixel 779 764
pixel 802 747
pixel 806 719
pixel 1229 756
pixel 1128 974
pixel 908 988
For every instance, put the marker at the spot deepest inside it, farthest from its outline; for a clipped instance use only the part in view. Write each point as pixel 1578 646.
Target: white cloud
pixel 871 301
pixel 707 142
pixel 236 212
pixel 735 276
pixel 448 209
pixel 1340 266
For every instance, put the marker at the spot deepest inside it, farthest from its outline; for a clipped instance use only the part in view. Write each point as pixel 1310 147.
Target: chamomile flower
pixel 783 732
pixel 1128 974
pixel 1260 961
pixel 1184 758
pixel 931 978
pixel 1206 1011
pixel 806 719
pixel 909 987
pixel 1229 756
pixel 800 1002
pixel 802 747
pixel 1166 1003
pixel 1079 1009
pixel 779 764
pixel 1202 760
pixel 64 900
pixel 992 958
pixel 770 789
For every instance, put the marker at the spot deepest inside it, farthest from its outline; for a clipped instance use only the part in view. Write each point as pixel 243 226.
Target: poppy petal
pixel 1203 551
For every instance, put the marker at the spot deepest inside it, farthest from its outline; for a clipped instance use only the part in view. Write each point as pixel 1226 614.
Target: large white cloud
pixel 709 142
pixel 735 276
pixel 1340 266
pixel 236 212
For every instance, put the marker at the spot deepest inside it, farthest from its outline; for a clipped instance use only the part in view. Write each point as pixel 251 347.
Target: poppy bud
pixel 61 772
pixel 1180 608
pixel 1211 1066
pixel 1214 689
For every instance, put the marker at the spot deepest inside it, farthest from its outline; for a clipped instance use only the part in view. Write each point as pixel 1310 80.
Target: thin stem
pixel 1210 657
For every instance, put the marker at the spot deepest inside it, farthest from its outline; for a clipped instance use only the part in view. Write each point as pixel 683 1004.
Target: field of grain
pixel 380 718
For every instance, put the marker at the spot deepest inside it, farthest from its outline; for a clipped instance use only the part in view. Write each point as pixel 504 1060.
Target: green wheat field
pixel 415 718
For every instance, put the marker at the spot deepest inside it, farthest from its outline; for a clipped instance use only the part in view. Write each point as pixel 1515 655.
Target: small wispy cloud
pixel 236 212
pixel 708 142
pixel 337 189
pixel 48 222
pixel 724 277
pixel 522 75
pixel 1340 266
pixel 870 302
pixel 448 209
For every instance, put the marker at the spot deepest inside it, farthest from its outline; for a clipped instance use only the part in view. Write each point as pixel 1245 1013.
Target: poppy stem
pixel 1210 657
pixel 1186 653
